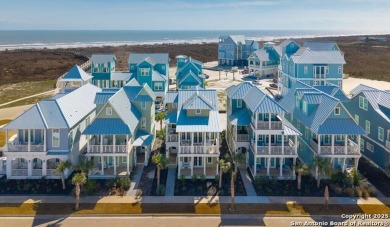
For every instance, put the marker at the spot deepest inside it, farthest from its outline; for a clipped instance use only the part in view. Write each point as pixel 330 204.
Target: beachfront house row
pixel 151 69
pixel 189 73
pixel 315 63
pixel 326 126
pixel 265 61
pixel 47 133
pixel 234 50
pixel 75 78
pixel 193 132
pixel 122 133
pixel 104 74
pixel 257 128
pixel 370 108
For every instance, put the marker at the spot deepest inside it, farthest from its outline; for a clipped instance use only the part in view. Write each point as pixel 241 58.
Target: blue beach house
pixel 189 73
pixel 234 50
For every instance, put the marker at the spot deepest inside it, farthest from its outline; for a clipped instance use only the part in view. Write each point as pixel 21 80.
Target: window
pixel 305 70
pixel 361 144
pixel 368 127
pixel 185 160
pixel 198 161
pixel 239 103
pixel 209 160
pixel 363 103
pixel 124 159
pixel 163 67
pixel 307 133
pixel 143 123
pixel 198 111
pixel 144 71
pixel 143 105
pixel 299 125
pixel 337 111
pixel 132 67
pixel 109 111
pixel 340 70
pixel 32 135
pixel 185 136
pixel 55 137
pixel 381 133
pixel 357 119
pixel 370 147
pixel 339 137
pixel 326 70
pixel 304 106
pixel 174 105
pixel 158 86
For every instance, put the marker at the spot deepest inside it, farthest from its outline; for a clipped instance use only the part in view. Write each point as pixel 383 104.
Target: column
pixel 146 156
pixel 29 167
pixel 296 144
pixel 217 169
pixel 343 167
pixel 192 143
pixel 269 120
pixel 294 164
pixel 356 162
pixel 281 167
pixel 192 166
pixel 6 141
pixel 44 167
pixel 29 141
pixel 204 166
pixel 179 166
pixel 235 132
pixel 346 144
pixel 128 164
pixel 332 144
pixel 204 142
pixel 44 139
pixel 102 162
pixel 358 142
pixel 256 120
pixel 255 165
pixel 88 143
pixel 256 138
pixel 282 143
pixel 113 143
pixel 9 167
pixel 114 159
pixel 268 165
pixel 269 144
pixel 319 144
pixel 101 143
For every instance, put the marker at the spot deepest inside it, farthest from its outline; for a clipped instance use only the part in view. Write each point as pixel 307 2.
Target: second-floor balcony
pixel 288 148
pixel 15 144
pixel 108 144
pixel 264 125
pixel 338 148
pixel 199 149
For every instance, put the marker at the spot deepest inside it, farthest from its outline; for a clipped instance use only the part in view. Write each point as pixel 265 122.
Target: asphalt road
pixel 171 221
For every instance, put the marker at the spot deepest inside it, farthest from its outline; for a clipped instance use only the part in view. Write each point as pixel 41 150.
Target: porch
pixel 198 166
pixel 275 145
pixel 29 140
pixel 110 166
pixel 335 145
pixel 280 167
pixel 267 121
pixel 33 168
pixel 107 144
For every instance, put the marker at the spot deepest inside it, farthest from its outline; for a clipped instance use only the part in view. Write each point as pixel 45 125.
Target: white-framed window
pixel 109 111
pixel 144 71
pixel 340 69
pixel 357 119
pixel 307 133
pixel 158 86
pixel 339 137
pixel 292 45
pixel 370 147
pixel 174 105
pixel 25 135
pixel 198 111
pixel 326 70
pixel 99 159
pixel 185 160
pixel 185 136
pixel 143 123
pixel 209 160
pixel 143 105
pixel 163 67
pixel 337 111
pixel 305 69
pixel 55 137
pixel 381 133
pixel 363 103
pixel 368 127
pixel 239 103
pixel 198 161
pixel 124 159
pixel 132 67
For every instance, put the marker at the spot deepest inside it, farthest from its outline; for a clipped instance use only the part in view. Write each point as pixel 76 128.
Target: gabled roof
pixel 107 126
pixel 156 76
pixel 261 54
pixel 238 38
pixel 102 97
pixel 143 139
pixel 123 76
pixel 76 74
pixel 171 97
pixel 103 58
pixel 286 42
pixel 258 102
pixel 321 45
pixel 241 117
pixel 156 58
pixel 138 93
pixel 190 73
pixel 63 112
pixel 307 56
pixel 238 91
pixel 198 101
pixel 334 91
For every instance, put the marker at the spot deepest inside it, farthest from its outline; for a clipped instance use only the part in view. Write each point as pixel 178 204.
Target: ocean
pixel 16 39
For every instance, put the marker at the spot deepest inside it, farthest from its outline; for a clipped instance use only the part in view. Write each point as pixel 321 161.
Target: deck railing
pixel 388 144
pixel 266 125
pixel 19 172
pixel 107 149
pixel 352 148
pixel 24 148
pixel 213 149
pixel 37 172
pixel 172 138
pixel 242 138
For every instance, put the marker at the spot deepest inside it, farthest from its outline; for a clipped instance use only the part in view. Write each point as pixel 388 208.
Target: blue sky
pixel 195 14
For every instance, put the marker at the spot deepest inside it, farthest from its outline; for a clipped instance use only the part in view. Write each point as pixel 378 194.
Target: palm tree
pixel 84 167
pixel 223 168
pixel 219 71
pixel 324 168
pixel 78 180
pixel 61 167
pixel 160 117
pixel 237 159
pixel 301 169
pixel 232 179
pixel 161 161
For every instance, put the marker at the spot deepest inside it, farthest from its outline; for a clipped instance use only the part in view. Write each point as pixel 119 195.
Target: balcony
pixel 110 144
pixel 172 138
pixel 338 149
pixel 242 138
pixel 265 125
pixel 24 148
pixel 199 149
pixel 275 149
pixel 107 149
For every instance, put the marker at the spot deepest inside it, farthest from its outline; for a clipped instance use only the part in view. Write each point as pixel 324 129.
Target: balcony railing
pixel 37 172
pixel 24 148
pixel 211 149
pixel 19 172
pixel 266 125
pixel 242 138
pixel 51 172
pixel 107 149
pixel 352 148
pixel 172 138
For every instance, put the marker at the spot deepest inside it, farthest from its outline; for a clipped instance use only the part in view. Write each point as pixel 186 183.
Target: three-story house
pixel 189 73
pixel 234 50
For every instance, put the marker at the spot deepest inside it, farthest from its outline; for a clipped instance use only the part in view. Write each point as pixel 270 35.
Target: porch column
pixel 29 141
pixel 217 169
pixel 178 166
pixel 294 164
pixel 346 144
pixel 316 172
pixel 332 144
pixel 29 167
pixel 146 156
pixel 268 165
pixel 9 167
pixel 343 166
pixel 255 165
pixel 358 140
pixel 128 164
pixel 281 167
pixel 44 139
pixel 282 143
pixel 192 166
pixel 101 143
pixel 296 144
pixel 269 144
pixel 6 141
pixel 319 144
pixel 204 143
pixel 204 166
pixel 102 161
pixel 356 163
pixel 256 119
pixel 192 142
pixel 114 159
pixel 256 138
pixel 235 132
pixel 113 143
pixel 269 120
pixel 44 167
pixel 88 143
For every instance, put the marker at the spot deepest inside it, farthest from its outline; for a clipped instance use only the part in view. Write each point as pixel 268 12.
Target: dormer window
pixel 198 111
pixel 337 111
pixel 144 71
pixel 108 111
pixel 340 69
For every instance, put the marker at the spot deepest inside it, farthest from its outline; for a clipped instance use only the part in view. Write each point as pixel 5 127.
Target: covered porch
pixel 281 167
pixel 198 166
pixel 34 168
pixel 73 79
pixel 142 147
pixel 106 166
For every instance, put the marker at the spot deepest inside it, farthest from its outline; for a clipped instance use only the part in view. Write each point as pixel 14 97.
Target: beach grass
pixel 15 91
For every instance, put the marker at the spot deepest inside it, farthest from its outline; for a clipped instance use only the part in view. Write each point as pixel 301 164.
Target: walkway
pixel 170 186
pixel 27 97
pixel 250 190
pixel 134 185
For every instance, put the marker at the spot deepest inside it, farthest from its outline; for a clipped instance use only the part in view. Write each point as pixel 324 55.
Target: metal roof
pixel 261 54
pixel 143 139
pixel 156 76
pixel 320 45
pixel 171 97
pixel 103 58
pixel 241 117
pixel 340 127
pixel 156 58
pixel 307 56
pixel 360 88
pixel 102 97
pixel 334 91
pixel 30 119
pixel 198 101
pixel 171 118
pixel 238 91
pixel 107 126
pixel 52 114
pixel 290 130
pixel 259 102
pixel 76 74
pixel 124 76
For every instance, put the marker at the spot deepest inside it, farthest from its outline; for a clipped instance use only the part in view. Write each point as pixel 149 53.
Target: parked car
pixel 256 82
pixel 273 86
pixel 206 76
pixel 245 71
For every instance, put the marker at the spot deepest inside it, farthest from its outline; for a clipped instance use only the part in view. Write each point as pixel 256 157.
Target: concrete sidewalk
pixel 170 185
pixel 250 190
pixel 134 184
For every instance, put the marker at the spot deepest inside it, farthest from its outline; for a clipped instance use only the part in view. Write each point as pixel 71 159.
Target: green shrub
pixel 371 191
pixel 123 182
pixel 160 190
pixel 90 186
pixel 216 179
pixel 194 178
pixel 110 183
pixel 349 192
pixel 340 179
pixel 203 178
pixel 182 179
pixel 257 181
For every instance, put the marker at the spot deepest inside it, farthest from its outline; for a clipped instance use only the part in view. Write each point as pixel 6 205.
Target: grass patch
pixel 11 92
pixel 28 101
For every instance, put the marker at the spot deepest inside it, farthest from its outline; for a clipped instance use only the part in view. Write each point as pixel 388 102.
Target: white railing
pixel 19 172
pixel 185 150
pixel 211 149
pixel 24 148
pixel 172 138
pixel 51 172
pixel 37 172
pixel 388 144
pixel 266 125
pixel 198 149
pixel 242 138
pixel 352 148
pixel 107 149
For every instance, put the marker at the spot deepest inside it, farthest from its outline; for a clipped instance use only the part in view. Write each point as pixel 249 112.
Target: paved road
pixel 171 221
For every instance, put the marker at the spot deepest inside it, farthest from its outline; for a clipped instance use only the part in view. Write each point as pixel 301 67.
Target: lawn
pixel 28 101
